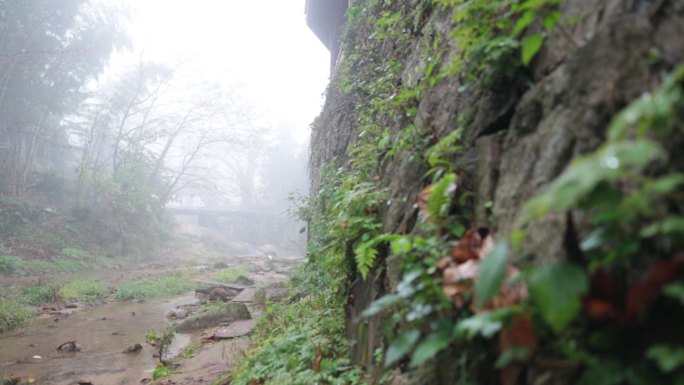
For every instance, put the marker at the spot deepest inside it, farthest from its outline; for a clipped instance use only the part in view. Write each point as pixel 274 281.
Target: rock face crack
pixel 517 138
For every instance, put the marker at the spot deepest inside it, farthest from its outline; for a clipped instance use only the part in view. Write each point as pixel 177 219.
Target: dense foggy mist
pixel 155 104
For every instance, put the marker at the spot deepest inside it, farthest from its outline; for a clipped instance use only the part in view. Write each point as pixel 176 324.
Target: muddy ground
pixel 106 334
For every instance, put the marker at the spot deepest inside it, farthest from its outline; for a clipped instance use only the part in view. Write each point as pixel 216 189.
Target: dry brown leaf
pixel 520 333
pixel 660 274
pixel 468 247
pixel 317 361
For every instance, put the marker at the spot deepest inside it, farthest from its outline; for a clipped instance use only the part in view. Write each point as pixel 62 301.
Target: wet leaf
pixel 668 358
pixel 658 275
pixel 530 46
pixel 401 346
pixel 381 304
pixel 428 348
pixel 519 334
pixel 468 247
pixel 676 291
pixel 492 273
pixel 556 289
pixel 485 324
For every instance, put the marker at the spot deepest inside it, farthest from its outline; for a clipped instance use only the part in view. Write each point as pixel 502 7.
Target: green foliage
pixel 163 343
pixel 14 315
pixel 161 371
pixel 188 352
pixel 302 342
pixel 615 188
pixel 668 358
pixel 429 347
pixel 86 290
pixel 485 324
pixel 491 274
pixel 640 142
pixel 629 192
pixel 165 285
pixel 676 291
pixel 39 294
pixel 231 274
pixel 10 264
pixel 556 290
pixel 401 346
pixel 530 46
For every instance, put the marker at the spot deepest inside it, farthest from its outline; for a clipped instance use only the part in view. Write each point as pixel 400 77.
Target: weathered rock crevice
pixel 518 135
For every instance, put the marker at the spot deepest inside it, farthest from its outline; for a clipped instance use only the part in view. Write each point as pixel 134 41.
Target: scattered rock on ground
pixel 133 349
pixel 225 313
pixel 246 295
pixel 69 346
pixel 242 280
pixel 236 329
pixel 176 313
pixel 222 294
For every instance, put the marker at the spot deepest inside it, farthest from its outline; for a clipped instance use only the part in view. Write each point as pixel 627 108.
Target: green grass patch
pixel 188 352
pixel 161 371
pixel 64 265
pixel 231 274
pixel 301 343
pixel 86 290
pixel 10 264
pixel 39 294
pixel 166 285
pixel 14 315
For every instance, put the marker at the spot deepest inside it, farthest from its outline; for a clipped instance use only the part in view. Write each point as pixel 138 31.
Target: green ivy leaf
pixel 551 20
pixel 485 324
pixel 401 346
pixel 401 245
pixel 428 347
pixel 381 304
pixel 365 255
pixel 668 358
pixel 525 20
pixel 556 289
pixel 676 291
pixel 530 46
pixel 491 275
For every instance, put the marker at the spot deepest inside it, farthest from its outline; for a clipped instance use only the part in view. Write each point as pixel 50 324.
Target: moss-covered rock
pixel 223 314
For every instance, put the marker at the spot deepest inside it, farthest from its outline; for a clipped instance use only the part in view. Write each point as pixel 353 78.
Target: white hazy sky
pixel 264 45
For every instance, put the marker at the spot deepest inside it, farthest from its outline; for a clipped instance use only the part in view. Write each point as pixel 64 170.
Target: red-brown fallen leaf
pixel 468 247
pixel 599 309
pixel 511 293
pixel 660 274
pixel 606 287
pixel 520 333
pixel 456 291
pixel 423 197
pixel 443 263
pixel 486 246
pixel 465 271
pixel 317 361
pixel 509 375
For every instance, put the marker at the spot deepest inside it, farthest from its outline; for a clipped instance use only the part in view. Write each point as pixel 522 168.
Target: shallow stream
pixel 102 333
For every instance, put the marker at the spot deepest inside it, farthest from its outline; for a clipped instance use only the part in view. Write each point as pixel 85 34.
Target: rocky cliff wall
pixel 412 73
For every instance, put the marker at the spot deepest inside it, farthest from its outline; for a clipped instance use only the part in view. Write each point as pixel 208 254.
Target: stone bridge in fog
pixel 250 226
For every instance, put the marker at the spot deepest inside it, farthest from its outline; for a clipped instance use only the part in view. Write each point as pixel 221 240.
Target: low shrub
pixel 86 290
pixel 14 315
pixel 166 285
pixel 10 264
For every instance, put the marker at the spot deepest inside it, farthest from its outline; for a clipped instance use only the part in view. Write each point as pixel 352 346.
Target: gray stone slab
pixel 236 329
pixel 246 295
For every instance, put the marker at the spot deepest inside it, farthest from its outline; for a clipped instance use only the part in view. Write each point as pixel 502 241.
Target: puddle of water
pixel 103 333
